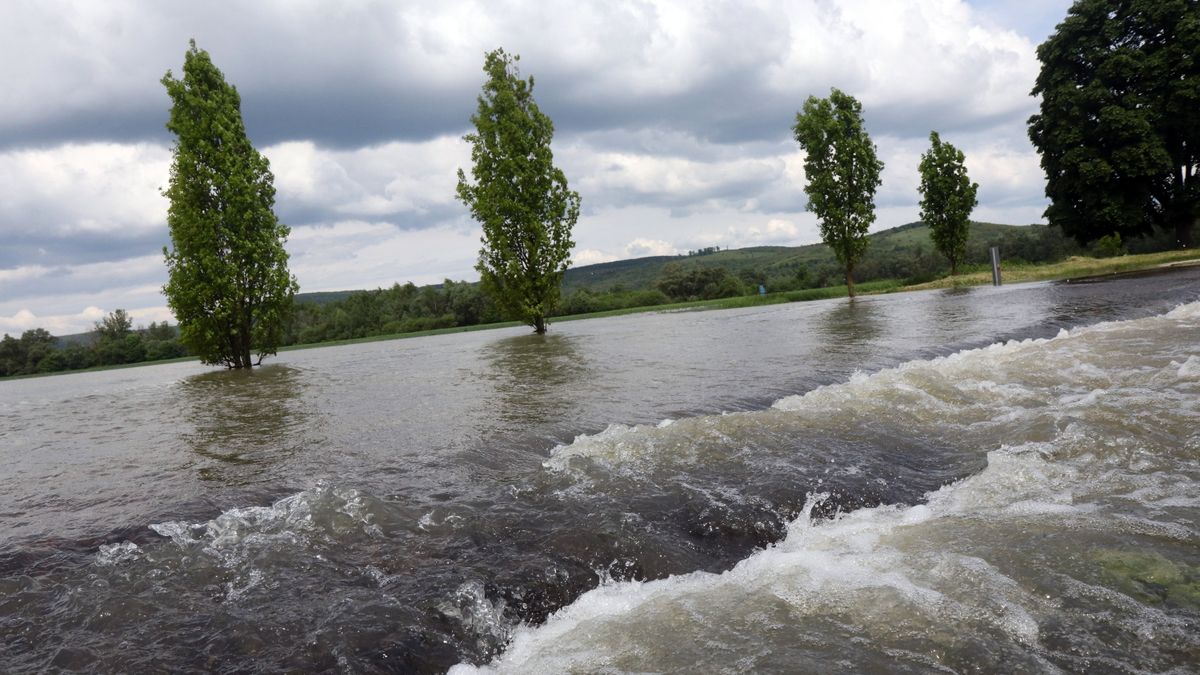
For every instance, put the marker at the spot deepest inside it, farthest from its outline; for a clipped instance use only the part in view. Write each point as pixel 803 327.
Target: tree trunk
pixel 953 267
pixel 1183 230
pixel 243 356
pixel 850 280
pixel 539 324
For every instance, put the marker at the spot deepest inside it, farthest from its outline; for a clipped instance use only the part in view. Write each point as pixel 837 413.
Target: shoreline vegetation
pixel 1073 269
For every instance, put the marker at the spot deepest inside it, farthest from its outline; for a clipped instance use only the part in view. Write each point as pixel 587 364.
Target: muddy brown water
pixel 989 479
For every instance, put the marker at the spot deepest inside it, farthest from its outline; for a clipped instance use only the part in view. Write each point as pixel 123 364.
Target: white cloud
pixel 108 188
pixel 624 232
pixel 23 273
pixel 70 299
pixel 398 178
pixel 932 59
pixel 1007 176
pixel 776 231
pixel 676 181
pixel 358 254
pixel 642 247
pixel 590 256
pixel 78 322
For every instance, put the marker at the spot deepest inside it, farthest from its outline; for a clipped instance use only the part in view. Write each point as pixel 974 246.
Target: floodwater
pixel 995 479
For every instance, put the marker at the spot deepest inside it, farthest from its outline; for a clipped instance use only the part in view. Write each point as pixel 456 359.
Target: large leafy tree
pixel 519 197
pixel 947 198
pixel 228 281
pixel 842 171
pixel 1119 127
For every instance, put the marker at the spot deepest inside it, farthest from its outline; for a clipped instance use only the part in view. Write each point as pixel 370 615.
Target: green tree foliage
pixel 228 281
pixel 399 309
pixel 34 346
pixel 112 342
pixel 1109 246
pixel 12 357
pixel 947 199
pixel 519 197
pixel 115 326
pixel 1119 127
pixel 842 172
pixel 583 301
pixel 115 341
pixel 681 283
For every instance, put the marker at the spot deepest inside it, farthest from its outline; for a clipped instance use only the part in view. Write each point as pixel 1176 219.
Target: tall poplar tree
pixel 947 198
pixel 519 197
pixel 228 282
pixel 843 173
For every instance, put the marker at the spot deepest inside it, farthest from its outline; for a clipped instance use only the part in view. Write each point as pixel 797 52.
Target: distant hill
pixel 323 297
pixel 905 241
pixel 641 273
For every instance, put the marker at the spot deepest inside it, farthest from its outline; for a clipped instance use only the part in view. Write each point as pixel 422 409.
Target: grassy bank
pixel 1075 267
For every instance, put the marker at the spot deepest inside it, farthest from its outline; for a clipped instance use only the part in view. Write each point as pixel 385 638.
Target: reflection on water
pixel 243 419
pixel 950 310
pixel 533 377
pixel 853 324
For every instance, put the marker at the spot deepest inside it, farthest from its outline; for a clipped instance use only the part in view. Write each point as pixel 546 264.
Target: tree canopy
pixel 228 281
pixel 947 198
pixel 115 326
pixel 519 197
pixel 1119 126
pixel 843 173
pixel 680 282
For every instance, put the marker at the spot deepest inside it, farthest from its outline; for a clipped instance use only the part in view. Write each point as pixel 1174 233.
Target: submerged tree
pixel 842 172
pixel 228 282
pixel 519 197
pixel 1119 126
pixel 947 198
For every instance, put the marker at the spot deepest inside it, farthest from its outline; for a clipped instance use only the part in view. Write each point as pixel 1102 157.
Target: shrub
pixel 1108 246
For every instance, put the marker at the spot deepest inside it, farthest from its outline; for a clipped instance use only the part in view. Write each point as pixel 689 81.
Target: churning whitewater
pixel 995 480
pixel 1076 548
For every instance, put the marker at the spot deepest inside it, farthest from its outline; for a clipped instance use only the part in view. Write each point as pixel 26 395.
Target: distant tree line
pixel 407 308
pixel 400 309
pixel 113 341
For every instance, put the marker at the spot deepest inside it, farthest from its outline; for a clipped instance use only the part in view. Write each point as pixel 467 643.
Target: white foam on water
pixel 863 564
pixel 115 554
pixel 483 618
pixel 324 513
pixel 1189 369
pixel 973 394
pixel 1091 439
pixel 439 519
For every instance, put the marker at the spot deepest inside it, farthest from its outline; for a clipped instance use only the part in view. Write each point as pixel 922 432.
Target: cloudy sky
pixel 672 122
